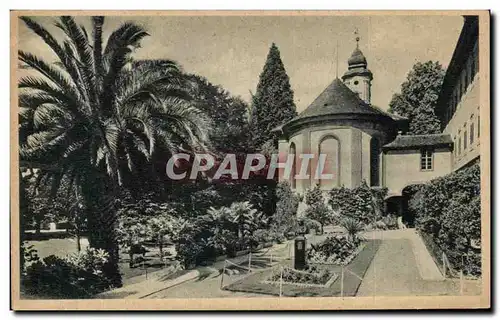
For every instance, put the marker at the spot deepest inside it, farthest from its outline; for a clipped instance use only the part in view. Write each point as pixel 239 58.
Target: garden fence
pixel 448 269
pixel 255 261
pixel 340 280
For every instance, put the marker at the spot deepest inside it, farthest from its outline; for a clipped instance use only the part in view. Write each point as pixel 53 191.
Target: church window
pixel 478 126
pixel 426 156
pixel 330 147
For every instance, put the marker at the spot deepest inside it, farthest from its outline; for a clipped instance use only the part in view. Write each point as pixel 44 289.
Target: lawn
pixel 254 282
pixel 65 246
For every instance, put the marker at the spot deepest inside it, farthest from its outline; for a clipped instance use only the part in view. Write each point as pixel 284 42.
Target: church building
pixel 363 142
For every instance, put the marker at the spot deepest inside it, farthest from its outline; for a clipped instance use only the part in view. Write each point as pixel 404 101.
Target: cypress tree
pixel 272 104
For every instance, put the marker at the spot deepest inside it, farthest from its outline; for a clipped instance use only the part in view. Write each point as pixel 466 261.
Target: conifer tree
pixel 272 104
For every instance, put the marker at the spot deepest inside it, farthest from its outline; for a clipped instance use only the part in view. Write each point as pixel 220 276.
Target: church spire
pixel 358 77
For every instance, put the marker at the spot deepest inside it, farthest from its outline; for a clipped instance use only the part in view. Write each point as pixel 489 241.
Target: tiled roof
pixel 337 98
pixel 426 140
pixel 392 115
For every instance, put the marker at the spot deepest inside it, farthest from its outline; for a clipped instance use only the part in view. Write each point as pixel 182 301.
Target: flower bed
pixel 312 277
pixel 334 250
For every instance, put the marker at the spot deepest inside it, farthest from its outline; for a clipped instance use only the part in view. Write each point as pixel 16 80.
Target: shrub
pixel 308 224
pixel 333 250
pixel 319 213
pixel 311 275
pixel 314 196
pixel 362 203
pixel 91 260
pixel 189 251
pixel 391 221
pixel 285 218
pixel 316 208
pixel 75 276
pixel 448 210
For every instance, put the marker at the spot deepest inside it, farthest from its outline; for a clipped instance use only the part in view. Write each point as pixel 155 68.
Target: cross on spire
pixel 357 37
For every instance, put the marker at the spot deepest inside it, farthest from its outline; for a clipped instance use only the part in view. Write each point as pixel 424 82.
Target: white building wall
pixel 402 168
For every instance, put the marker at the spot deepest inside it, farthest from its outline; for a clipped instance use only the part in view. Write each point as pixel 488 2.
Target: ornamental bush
pixel 311 275
pixel 362 203
pixel 317 209
pixel 79 275
pixel 333 250
pixel 448 210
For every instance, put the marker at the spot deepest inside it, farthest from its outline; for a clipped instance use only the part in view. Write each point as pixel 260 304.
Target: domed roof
pixel 357 58
pixel 337 101
pixel 337 98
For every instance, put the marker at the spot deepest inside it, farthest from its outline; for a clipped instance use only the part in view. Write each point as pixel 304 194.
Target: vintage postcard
pixel 250 160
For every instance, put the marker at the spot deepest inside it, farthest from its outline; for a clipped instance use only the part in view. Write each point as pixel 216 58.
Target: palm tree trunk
pixel 102 219
pixel 78 244
pixel 160 246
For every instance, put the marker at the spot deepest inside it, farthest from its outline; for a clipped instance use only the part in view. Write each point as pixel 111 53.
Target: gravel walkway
pixel 393 270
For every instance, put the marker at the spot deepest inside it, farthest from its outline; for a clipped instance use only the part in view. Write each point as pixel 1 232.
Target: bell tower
pixel 358 77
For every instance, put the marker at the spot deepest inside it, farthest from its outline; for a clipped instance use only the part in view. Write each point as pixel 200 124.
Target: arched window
pixel 374 161
pixel 330 147
pixel 293 152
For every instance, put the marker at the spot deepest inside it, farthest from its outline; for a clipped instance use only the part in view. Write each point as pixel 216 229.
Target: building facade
pixel 458 104
pixel 361 142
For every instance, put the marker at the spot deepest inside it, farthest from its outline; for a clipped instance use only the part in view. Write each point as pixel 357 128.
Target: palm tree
pixel 353 227
pixel 94 115
pixel 246 218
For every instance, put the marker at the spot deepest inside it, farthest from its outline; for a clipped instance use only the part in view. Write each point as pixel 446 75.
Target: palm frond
pixel 85 61
pixel 53 44
pixel 97 24
pixel 56 75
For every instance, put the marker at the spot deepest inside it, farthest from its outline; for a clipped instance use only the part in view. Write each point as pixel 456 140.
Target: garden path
pixel 207 284
pixel 397 271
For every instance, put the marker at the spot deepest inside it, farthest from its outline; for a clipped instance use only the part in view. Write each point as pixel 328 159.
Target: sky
pixel 231 50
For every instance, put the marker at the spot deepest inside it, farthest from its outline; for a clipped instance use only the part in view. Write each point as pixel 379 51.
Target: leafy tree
pixel 229 115
pixel 96 117
pixel 247 220
pixel 204 237
pixel 272 104
pixel 418 98
pixel 164 225
pixel 132 229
